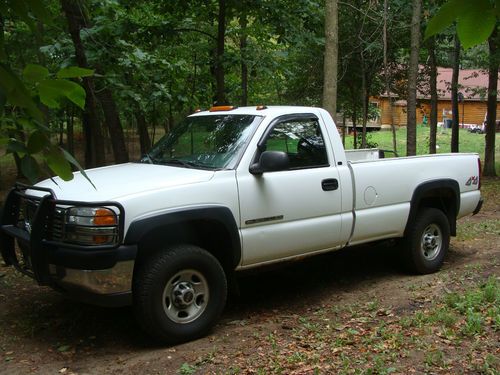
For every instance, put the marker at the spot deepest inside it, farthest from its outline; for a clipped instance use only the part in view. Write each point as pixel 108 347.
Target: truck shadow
pixel 310 280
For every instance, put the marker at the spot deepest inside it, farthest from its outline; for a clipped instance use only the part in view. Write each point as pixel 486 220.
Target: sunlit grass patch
pixel 469 230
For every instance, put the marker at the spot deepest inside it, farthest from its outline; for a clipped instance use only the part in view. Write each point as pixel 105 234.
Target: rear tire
pixel 179 293
pixel 427 241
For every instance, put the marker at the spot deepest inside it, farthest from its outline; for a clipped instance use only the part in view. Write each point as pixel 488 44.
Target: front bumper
pixel 99 275
pixel 109 287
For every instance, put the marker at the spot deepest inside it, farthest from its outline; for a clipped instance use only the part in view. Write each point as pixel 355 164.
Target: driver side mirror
pixel 270 161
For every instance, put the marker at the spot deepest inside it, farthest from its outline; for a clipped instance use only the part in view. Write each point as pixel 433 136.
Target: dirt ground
pixel 353 311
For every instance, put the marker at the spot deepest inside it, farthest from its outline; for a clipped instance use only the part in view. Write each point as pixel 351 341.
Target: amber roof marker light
pixel 218 108
pixel 261 107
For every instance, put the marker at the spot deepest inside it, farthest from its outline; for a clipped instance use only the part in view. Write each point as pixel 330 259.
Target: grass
pixel 187 369
pixel 470 229
pixel 469 142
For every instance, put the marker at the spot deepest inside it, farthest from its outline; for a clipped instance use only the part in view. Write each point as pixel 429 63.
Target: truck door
pixel 295 211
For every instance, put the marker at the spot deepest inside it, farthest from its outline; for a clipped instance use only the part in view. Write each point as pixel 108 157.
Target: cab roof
pixel 267 111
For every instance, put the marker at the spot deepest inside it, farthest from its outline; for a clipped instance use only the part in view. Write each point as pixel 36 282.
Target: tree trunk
pixel 411 125
pixel 142 130
pixel 331 57
pixel 243 56
pixel 61 131
pixel 343 128
pixel 364 98
pixel 454 96
pixel 170 122
pixel 489 150
pixel 220 98
pixel 114 125
pixel 193 83
pixel 434 96
pixel 354 124
pixel 388 79
pixel 94 143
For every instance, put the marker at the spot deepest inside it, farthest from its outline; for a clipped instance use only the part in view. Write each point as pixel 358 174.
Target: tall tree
pixel 387 77
pixel 364 97
pixel 112 118
pixel 94 143
pixel 434 95
pixel 142 129
pixel 220 95
pixel 331 57
pixel 494 58
pixel 411 138
pixel 454 96
pixel 243 55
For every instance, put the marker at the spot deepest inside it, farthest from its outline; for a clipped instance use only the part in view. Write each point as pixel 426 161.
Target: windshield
pixel 209 142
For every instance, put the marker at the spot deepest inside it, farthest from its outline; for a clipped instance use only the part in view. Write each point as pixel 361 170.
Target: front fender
pixel 139 229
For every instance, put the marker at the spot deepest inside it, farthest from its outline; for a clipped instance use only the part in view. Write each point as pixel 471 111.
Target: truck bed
pixel 383 188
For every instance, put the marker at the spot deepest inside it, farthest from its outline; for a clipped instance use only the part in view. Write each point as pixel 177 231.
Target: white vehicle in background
pixel 227 190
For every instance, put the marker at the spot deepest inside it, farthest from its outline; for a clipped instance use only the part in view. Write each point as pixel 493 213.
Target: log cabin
pixel 472 84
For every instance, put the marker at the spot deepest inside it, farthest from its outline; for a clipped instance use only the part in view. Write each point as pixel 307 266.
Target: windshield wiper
pixel 148 158
pixel 187 164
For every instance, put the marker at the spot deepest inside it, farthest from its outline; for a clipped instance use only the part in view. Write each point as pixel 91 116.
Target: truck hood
pixel 120 180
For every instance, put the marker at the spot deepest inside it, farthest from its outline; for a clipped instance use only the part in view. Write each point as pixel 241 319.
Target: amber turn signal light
pixel 104 216
pixel 218 108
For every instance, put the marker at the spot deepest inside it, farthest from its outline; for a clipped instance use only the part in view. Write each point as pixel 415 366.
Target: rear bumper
pixel 97 275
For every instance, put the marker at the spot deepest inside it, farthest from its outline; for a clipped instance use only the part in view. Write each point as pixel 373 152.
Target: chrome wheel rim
pixel 185 296
pixel 432 242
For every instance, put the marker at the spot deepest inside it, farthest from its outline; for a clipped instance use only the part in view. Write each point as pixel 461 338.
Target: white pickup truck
pixel 227 190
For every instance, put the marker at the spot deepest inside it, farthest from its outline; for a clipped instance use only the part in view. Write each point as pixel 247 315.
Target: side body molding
pixel 219 215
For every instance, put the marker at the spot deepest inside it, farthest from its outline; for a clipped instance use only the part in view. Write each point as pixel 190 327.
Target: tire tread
pixel 411 253
pixel 145 282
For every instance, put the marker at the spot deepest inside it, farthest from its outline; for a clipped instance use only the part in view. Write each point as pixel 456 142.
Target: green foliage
pixel 25 9
pixel 35 73
pixel 475 305
pixel 475 20
pixel 53 91
pixel 16 94
pixel 157 59
pixel 187 369
pixel 22 96
pixel 74 72
pixel 370 143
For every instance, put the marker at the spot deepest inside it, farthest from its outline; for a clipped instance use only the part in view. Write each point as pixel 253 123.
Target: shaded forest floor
pixel 353 311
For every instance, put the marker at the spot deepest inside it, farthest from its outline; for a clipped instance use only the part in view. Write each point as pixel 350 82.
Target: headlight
pixel 91 226
pixel 90 216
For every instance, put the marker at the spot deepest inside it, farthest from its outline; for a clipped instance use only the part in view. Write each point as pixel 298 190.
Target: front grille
pixel 53 227
pixel 57 225
pixel 27 209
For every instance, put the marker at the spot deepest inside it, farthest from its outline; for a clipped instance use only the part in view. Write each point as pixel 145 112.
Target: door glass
pixel 302 140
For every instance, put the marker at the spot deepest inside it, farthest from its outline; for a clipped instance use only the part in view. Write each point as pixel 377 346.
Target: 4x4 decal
pixel 473 180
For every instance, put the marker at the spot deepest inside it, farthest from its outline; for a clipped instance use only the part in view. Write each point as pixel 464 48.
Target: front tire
pixel 427 241
pixel 179 293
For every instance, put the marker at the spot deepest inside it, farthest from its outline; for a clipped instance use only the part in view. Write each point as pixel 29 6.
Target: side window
pixel 302 140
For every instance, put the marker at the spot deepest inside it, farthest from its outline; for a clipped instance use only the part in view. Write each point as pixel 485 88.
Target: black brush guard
pixel 37 246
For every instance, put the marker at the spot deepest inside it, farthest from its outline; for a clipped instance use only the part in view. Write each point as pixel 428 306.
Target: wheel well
pixel 210 235
pixel 444 198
